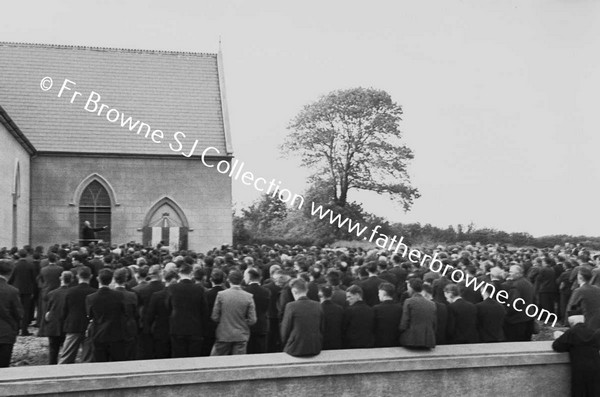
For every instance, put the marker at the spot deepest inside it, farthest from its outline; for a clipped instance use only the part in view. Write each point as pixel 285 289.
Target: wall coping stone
pixel 132 374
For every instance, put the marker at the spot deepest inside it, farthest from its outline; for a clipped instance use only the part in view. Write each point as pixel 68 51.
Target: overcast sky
pixel 500 97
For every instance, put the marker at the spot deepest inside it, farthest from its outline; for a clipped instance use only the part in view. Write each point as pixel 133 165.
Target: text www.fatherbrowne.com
pixel 433 264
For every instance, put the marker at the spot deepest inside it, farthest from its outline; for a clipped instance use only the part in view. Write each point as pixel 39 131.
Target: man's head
pixel 427 291
pixel 87 223
pixel 171 277
pixel 253 276
pixel 515 272
pixel 155 272
pixel 415 285
pixel 298 287
pixel 354 294
pixel 65 278
pixel 120 276
pixel 451 292
pixel 235 277
pixel 6 268
pixel 386 291
pixel 84 274
pixel 105 277
pixel 217 277
pixel 584 275
pixel 325 292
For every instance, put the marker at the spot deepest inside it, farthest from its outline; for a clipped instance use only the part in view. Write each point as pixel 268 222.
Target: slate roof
pixel 170 91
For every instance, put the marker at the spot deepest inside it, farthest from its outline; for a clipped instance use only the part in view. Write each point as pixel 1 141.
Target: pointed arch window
pixel 95 207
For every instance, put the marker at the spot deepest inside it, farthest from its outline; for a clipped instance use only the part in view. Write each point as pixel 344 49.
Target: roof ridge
pixel 105 49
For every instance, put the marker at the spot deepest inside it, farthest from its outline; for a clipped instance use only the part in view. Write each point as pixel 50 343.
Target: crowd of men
pixel 112 303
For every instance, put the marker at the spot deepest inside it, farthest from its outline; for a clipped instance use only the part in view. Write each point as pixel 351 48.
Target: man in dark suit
pixel 53 321
pixel 75 321
pixel 333 315
pixel 275 286
pixel 358 321
pixel 217 279
pixel 441 314
pixel 89 233
pixel 338 295
pixel 418 323
pixel 107 312
pixel 490 319
pixel 23 278
pixel 370 286
pixel 387 317
pixel 586 299
pixel 49 279
pixel 188 314
pixel 130 299
pixel 261 295
pixel 11 313
pixel 582 343
pixel 462 317
pixel 144 293
pixel 302 325
pixel 518 327
pixel 156 319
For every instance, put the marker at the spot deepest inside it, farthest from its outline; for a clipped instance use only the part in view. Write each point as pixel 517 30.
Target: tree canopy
pixel 352 140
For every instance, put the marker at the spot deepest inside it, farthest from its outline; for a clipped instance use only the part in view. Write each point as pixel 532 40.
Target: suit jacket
pixel 144 293
pixel 519 288
pixel 545 282
pixel 53 321
pixel 357 326
pixel 11 312
pixel 462 322
pixel 156 316
pixel 302 327
pixel 370 287
pixel 75 320
pixel 441 330
pixel 130 300
pixel 262 297
pixel 50 278
pixel 387 323
pixel 107 311
pixel 490 321
pixel 333 315
pixel 418 323
pixel 274 300
pixel 234 311
pixel 582 343
pixel 187 304
pixel 23 277
pixel 587 300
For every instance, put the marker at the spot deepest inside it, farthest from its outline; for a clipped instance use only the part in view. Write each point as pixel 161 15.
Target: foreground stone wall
pixel 503 369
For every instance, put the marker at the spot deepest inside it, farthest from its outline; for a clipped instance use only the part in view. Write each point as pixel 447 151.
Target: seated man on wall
pixel 582 342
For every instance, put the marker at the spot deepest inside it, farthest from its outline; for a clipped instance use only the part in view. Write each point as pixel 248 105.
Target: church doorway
pixel 166 224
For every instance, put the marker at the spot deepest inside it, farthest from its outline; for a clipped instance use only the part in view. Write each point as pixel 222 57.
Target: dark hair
pixel 66 277
pixel 371 267
pixel 6 267
pixel 253 275
pixel 170 275
pixel 585 273
pixel 84 272
pixel 428 288
pixel 299 285
pixel 105 276
pixel 416 284
pixel 333 277
pixel 217 276
pixel 388 288
pixel 355 290
pixel 326 290
pixel 185 268
pixel 235 277
pixel 452 289
pixel 121 275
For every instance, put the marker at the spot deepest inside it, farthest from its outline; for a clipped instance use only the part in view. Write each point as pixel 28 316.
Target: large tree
pixel 351 138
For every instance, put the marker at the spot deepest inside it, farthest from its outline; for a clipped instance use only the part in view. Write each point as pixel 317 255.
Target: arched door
pixel 166 224
pixel 95 207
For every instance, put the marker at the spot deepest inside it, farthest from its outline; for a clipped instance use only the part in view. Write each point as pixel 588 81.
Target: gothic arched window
pixel 95 207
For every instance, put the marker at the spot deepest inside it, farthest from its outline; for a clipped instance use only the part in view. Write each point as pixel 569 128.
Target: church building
pixel 115 137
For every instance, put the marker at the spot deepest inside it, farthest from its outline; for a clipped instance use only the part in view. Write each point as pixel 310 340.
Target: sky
pixel 499 97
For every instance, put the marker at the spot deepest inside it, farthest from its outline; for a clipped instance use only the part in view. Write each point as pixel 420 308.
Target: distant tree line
pixel 269 221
